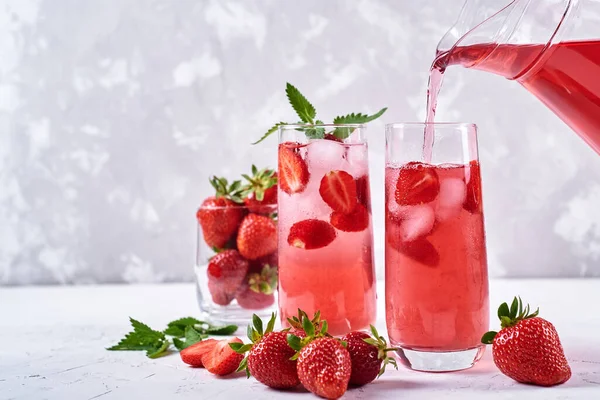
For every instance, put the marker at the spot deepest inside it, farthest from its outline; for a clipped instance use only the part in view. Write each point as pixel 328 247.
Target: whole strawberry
pixel 269 356
pixel 226 272
pixel 369 356
pixel 220 215
pixel 257 236
pixel 261 190
pixel 527 349
pixel 257 292
pixel 324 364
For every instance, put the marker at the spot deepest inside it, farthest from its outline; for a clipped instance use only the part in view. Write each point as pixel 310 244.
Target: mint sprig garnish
pixel 307 114
pixel 157 344
pixel 306 111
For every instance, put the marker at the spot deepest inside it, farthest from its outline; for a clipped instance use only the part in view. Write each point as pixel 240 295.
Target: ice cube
pixel 417 222
pixel 358 160
pixel 452 195
pixel 325 155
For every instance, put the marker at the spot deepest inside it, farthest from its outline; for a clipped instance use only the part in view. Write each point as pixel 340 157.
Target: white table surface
pixel 52 342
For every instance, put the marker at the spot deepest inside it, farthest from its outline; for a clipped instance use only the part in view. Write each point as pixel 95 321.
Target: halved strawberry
pixel 193 355
pixel 338 190
pixel 355 221
pixel 311 234
pixel 417 183
pixel 420 250
pixel 293 171
pixel 473 201
pixel 222 360
pixel 363 191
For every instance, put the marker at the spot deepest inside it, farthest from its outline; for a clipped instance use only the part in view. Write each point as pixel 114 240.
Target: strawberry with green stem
pixel 324 363
pixel 261 190
pixel 307 114
pixel 369 356
pixel 527 348
pixel 269 358
pixel 220 215
pixel 258 291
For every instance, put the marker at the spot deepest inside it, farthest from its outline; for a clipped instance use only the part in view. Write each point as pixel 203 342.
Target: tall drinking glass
pixel 325 232
pixel 436 280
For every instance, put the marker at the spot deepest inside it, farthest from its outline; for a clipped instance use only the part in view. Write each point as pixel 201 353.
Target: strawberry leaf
pixel 271 323
pixel 306 111
pixel 514 308
pixel 294 342
pixel 488 337
pixel 503 311
pixel 258 325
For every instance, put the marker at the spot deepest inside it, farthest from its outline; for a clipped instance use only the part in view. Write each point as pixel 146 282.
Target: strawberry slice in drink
pixel 417 183
pixel 355 221
pixel 293 171
pixel 311 234
pixel 363 191
pixel 473 200
pixel 338 190
pixel 420 250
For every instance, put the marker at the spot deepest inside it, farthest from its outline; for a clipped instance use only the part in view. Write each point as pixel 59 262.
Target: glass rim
pixel 236 206
pixel 394 125
pixel 295 126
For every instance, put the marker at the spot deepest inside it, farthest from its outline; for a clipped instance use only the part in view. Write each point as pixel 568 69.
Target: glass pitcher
pixel 551 47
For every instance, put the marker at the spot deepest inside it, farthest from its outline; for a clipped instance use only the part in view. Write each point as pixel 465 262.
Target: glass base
pixel 440 361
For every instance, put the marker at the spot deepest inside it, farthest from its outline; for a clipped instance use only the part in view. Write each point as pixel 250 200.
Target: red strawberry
pixel 257 236
pixel 473 201
pixel 222 360
pixel 419 249
pixel 324 367
pixel 363 191
pixel 527 349
pixel 219 216
pixel 226 272
pixel 269 356
pixel 355 221
pixel 257 292
pixel 261 191
pixel 193 355
pixel 311 234
pixel 338 190
pixel 293 171
pixel 367 354
pixel 417 183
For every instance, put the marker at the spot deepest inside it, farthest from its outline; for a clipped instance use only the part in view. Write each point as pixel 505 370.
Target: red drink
pixel 436 268
pixel 564 77
pixel 325 234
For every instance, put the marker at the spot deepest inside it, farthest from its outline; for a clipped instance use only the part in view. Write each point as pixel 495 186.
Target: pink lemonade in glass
pixel 436 266
pixel 325 232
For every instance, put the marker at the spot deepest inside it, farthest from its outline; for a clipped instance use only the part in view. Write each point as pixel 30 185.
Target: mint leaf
pixel 192 336
pixel 222 330
pixel 273 129
pixel 177 328
pixel 160 351
pixel 142 338
pixel 359 118
pixel 306 112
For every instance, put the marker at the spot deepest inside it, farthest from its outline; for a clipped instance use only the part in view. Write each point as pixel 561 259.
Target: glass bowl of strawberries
pixel 236 257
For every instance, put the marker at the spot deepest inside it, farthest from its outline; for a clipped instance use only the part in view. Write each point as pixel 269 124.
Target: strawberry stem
pixel 510 316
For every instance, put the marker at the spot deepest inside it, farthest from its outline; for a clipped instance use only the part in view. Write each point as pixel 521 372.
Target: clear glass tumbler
pixel 436 281
pixel 325 231
pixel 231 287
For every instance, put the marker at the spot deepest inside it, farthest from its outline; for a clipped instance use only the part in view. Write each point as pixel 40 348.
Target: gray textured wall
pixel 114 113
